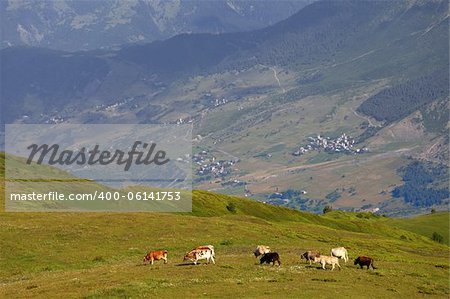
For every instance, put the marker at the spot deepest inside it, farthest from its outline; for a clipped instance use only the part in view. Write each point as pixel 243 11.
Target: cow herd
pixel 206 252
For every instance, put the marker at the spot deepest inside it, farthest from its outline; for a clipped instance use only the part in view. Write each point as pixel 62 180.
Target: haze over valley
pixel 343 103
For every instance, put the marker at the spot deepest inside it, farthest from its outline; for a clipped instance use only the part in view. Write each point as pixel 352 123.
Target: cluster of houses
pixel 55 120
pixel 214 102
pixel 370 210
pixel 341 144
pixel 187 120
pixel 210 166
pixel 113 107
pixel 46 119
pixel 219 102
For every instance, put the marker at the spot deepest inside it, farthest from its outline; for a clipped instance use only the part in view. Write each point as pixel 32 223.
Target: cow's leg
pixel 165 260
pixel 361 266
pixel 212 259
pixel 323 266
pixel 339 266
pixel 151 261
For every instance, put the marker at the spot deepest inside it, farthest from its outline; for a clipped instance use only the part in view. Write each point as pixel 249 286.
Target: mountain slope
pixel 425 225
pixel 98 255
pixel 74 26
pixel 323 35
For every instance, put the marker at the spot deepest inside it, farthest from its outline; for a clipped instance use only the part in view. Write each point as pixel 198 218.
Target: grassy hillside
pixel 96 255
pixel 425 225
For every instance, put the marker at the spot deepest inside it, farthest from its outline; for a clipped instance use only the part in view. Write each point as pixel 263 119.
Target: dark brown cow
pixel 156 256
pixel 270 257
pixel 364 261
pixel 309 255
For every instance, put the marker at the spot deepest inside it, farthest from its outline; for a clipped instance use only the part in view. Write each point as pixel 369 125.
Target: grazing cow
pixel 270 257
pixel 156 256
pixel 364 261
pixel 309 255
pixel 260 250
pixel 201 253
pixel 330 260
pixel 340 252
pixel 210 247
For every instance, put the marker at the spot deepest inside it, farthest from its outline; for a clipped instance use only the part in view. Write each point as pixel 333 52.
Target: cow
pixel 270 257
pixel 309 255
pixel 331 260
pixel 156 256
pixel 340 252
pixel 260 250
pixel 364 261
pixel 210 247
pixel 201 253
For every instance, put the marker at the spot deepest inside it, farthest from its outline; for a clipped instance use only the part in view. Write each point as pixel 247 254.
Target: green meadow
pixel 99 255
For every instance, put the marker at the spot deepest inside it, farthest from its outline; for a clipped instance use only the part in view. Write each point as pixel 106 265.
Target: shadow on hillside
pixel 186 264
pixel 191 264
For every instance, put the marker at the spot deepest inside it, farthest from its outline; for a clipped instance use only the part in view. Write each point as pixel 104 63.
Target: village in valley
pixel 342 144
pixel 209 167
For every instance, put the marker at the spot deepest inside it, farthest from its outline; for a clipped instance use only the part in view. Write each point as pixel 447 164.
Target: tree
pixel 327 209
pixel 437 237
pixel 231 207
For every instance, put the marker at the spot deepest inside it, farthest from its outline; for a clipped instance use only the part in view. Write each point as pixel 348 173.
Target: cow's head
pixel 356 261
pixel 188 256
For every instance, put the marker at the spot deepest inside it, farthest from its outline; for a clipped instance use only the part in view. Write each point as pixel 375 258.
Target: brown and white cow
pixel 210 247
pixel 260 250
pixel 309 255
pixel 205 252
pixel 156 256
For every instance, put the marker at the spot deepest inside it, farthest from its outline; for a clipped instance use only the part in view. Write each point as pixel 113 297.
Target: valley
pixel 255 98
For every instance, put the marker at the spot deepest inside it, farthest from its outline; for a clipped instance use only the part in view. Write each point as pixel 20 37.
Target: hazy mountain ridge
pixel 317 36
pixel 83 25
